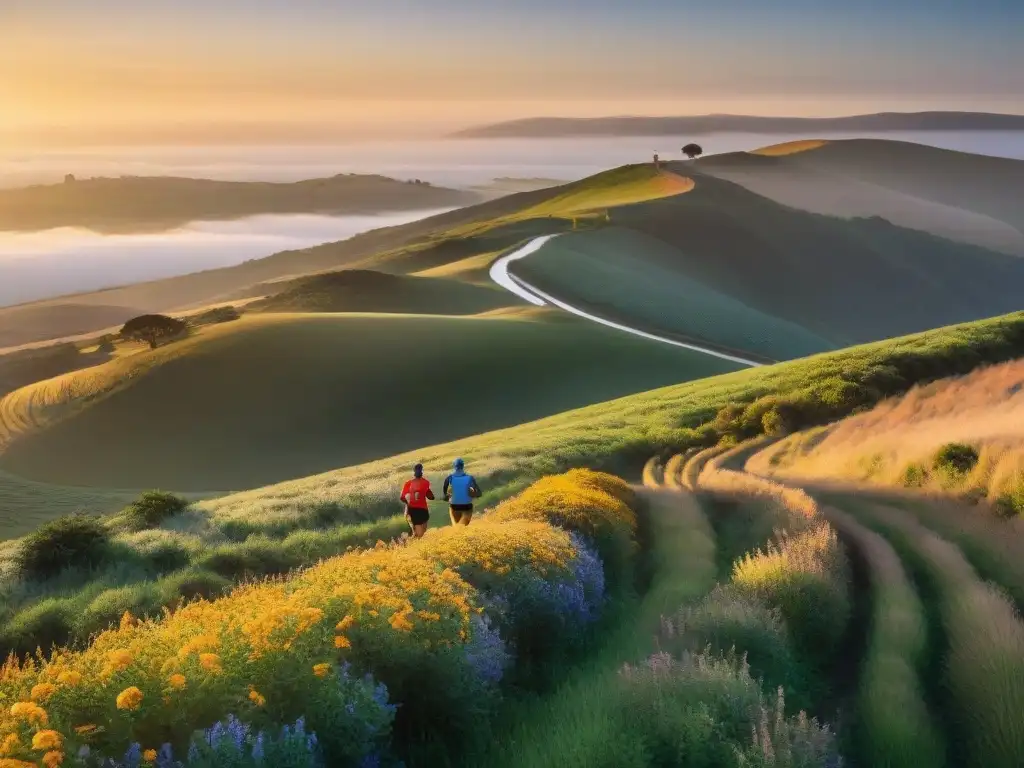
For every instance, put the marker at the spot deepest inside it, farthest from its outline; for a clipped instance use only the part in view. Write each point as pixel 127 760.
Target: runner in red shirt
pixel 415 494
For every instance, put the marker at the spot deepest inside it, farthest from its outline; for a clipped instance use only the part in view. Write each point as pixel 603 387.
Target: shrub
pixel 727 621
pixel 807 576
pixel 914 476
pixel 151 509
pixel 707 710
pixel 43 625
pixel 256 556
pixel 71 541
pixel 955 459
pixel 190 584
pixel 107 608
pixel 574 501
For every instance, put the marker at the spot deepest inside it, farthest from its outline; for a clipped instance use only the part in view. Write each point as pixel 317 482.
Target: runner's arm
pixel 405 492
pixel 447 485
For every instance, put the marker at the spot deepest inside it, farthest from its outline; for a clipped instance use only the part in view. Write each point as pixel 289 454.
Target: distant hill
pixel 148 203
pixel 696 125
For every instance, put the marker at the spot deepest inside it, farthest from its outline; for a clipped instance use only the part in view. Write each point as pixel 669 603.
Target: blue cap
pixel 418 470
pixel 459 464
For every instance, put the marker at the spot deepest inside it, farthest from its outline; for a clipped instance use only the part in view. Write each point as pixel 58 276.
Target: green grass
pixel 274 397
pixel 575 726
pixel 984 665
pixel 356 290
pixel 896 727
pixel 630 276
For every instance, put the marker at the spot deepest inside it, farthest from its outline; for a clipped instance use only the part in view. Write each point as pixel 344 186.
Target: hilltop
pixel 695 125
pixel 143 203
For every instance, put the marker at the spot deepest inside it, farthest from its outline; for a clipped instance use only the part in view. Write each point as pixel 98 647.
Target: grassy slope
pixel 269 398
pixel 845 280
pixel 623 273
pixel 146 203
pixel 357 290
pixel 965 197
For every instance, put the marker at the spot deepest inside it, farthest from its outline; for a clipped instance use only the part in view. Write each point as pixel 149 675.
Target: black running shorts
pixel 418 516
pixel 458 510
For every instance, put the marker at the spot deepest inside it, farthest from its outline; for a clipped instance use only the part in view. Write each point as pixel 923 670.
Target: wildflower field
pixel 345 663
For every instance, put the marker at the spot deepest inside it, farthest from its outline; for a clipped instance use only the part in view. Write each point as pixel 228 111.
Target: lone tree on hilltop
pixel 693 150
pixel 152 328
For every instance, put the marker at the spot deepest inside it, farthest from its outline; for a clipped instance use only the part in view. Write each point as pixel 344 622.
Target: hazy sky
pixel 82 70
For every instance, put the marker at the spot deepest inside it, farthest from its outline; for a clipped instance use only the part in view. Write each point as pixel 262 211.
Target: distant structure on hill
pixel 69 178
pixel 657 161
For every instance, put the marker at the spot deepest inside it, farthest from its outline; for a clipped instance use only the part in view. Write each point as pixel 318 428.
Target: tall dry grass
pixel 985 637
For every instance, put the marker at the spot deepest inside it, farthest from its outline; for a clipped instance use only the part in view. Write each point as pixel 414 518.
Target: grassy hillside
pixel 274 397
pixel 969 198
pixel 359 290
pixel 129 204
pixel 842 280
pixel 626 275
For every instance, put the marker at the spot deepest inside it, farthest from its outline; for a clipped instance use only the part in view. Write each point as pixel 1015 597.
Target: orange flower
pixel 53 759
pixel 149 755
pixel 85 730
pixel 30 711
pixel 322 670
pixel 44 740
pixel 210 662
pixel 10 762
pixel 69 677
pixel 10 743
pixel 345 623
pixel 129 698
pixel 256 698
pixel 177 682
pixel 342 642
pixel 42 691
pixel 120 659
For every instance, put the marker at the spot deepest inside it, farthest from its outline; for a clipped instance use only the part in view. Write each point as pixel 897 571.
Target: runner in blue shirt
pixel 459 490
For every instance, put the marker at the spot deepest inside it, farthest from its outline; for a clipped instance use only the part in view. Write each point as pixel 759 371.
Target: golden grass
pixel 789 148
pixel 471 268
pixel 984 409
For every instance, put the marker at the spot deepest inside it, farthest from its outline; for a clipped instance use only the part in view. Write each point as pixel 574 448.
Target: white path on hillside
pixel 518 286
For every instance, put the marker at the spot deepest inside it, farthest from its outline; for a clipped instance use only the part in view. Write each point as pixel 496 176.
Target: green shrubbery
pixel 151 509
pixel 72 541
pixel 955 460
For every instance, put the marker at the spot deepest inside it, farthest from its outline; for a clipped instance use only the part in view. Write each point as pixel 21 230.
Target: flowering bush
pixel 422 623
pixel 585 502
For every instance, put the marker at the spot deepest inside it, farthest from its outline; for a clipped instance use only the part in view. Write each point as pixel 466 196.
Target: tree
pixel 152 328
pixel 693 150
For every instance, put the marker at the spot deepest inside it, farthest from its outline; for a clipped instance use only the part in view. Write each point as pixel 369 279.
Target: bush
pixel 955 459
pixel 108 607
pixel 71 541
pixel 151 509
pixel 707 710
pixel 43 625
pixel 190 584
pixel 807 577
pixel 575 502
pixel 726 621
pixel 914 476
pixel 256 556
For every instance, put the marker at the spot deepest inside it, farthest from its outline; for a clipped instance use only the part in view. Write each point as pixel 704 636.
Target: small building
pixel 69 178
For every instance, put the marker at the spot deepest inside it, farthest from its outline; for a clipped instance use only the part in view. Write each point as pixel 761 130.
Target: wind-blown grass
pixel 896 727
pixel 985 636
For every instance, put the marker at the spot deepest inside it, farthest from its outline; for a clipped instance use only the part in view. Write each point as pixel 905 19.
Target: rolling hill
pixel 273 397
pixel 133 204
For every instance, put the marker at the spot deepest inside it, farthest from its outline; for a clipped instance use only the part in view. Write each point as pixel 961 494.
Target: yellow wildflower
pixel 256 698
pixel 44 740
pixel 322 669
pixel 400 621
pixel 129 698
pixel 69 677
pixel 10 762
pixel 10 743
pixel 120 659
pixel 210 662
pixel 342 642
pixel 42 691
pixel 149 755
pixel 85 730
pixel 177 682
pixel 345 623
pixel 53 759
pixel 30 711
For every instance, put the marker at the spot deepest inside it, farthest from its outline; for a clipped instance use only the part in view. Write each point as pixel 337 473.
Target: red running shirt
pixel 416 492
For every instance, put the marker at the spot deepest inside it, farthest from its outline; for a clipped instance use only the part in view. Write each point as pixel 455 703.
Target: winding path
pixel 499 274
